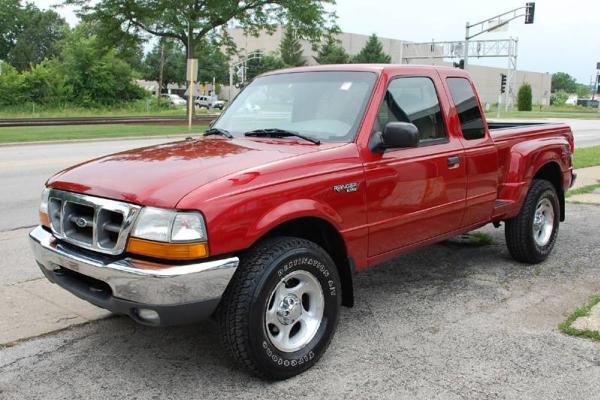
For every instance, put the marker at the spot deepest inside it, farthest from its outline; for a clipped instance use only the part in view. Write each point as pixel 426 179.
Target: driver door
pixel 414 194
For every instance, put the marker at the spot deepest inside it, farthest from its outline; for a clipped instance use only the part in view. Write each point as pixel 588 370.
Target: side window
pixel 469 114
pixel 413 100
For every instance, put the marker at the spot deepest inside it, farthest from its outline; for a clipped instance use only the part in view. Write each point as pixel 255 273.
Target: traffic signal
pixel 529 12
pixel 502 83
pixel 598 84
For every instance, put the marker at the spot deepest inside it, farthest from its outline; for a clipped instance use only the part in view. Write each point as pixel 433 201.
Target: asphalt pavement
pixel 446 322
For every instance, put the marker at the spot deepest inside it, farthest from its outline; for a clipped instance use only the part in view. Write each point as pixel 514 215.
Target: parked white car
pixel 175 99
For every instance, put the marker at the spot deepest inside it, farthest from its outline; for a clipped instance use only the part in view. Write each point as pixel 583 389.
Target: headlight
pixel 44 219
pixel 169 234
pixel 169 226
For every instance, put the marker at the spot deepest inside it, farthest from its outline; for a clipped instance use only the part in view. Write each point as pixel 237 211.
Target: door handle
pixel 453 161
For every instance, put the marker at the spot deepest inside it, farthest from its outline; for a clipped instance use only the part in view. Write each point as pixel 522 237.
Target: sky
pixel 564 37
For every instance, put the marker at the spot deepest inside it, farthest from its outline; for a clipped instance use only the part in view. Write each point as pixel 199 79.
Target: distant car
pixel 209 102
pixel 175 99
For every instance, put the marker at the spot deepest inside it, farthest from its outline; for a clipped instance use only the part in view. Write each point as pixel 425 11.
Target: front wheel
pixel 531 235
pixel 281 308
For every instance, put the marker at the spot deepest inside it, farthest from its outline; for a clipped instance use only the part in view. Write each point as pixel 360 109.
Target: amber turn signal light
pixel 44 220
pixel 168 251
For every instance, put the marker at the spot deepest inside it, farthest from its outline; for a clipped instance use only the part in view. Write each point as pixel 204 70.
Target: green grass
pixel 583 190
pixel 135 108
pixel 70 132
pixel 576 112
pixel 584 311
pixel 586 157
pixel 481 238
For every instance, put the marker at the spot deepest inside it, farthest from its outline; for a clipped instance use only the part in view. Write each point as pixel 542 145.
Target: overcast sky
pixel 564 37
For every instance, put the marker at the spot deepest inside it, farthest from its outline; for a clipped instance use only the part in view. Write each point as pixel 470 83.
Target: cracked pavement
pixel 449 321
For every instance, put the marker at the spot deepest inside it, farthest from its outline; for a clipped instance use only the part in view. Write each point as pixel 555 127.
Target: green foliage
pixel 96 76
pixel 11 86
pixel 11 24
pixel 212 63
pixel 583 91
pixel 45 83
pixel 372 53
pixel 559 98
pixel 331 52
pixel 268 62
pixel 188 22
pixel 109 35
pixel 290 48
pixel 524 98
pixel 174 63
pixel 39 39
pixel 563 81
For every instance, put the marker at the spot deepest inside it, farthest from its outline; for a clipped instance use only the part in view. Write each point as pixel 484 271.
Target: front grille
pixel 91 222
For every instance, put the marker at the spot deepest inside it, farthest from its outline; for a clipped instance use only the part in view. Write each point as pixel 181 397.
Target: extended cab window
pixel 414 100
pixel 465 101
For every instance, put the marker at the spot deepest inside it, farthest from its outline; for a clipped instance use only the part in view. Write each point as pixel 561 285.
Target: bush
pixel 524 98
pixel 559 98
pixel 11 86
pixel 45 84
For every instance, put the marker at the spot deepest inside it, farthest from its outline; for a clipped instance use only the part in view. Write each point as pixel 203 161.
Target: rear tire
pixel 531 235
pixel 280 310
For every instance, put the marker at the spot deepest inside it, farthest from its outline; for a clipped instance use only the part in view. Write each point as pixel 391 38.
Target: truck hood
pixel 162 175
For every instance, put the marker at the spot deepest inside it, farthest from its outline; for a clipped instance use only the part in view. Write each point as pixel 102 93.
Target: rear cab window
pixel 413 100
pixel 467 108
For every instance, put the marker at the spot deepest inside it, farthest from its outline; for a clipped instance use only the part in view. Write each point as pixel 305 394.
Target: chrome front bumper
pixel 127 285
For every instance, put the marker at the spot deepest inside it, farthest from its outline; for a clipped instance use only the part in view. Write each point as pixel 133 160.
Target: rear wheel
pixel 281 308
pixel 531 235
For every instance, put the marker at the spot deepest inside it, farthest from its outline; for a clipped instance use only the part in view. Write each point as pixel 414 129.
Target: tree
pixel 11 18
pixel 563 81
pixel 267 62
pixel 290 48
pixel 96 76
pixel 559 98
pixel 189 21
pixel 45 83
pixel 372 52
pixel 212 63
pixel 39 39
pixel 174 64
pixel 583 91
pixel 524 98
pixel 11 86
pixel 109 35
pixel 331 52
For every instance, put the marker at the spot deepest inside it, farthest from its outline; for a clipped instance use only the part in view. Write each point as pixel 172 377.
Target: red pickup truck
pixel 310 175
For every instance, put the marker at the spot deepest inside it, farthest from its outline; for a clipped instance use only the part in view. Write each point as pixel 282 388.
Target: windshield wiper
pixel 280 133
pixel 218 131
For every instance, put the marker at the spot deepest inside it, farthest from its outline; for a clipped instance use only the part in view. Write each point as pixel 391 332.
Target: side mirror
pixel 395 135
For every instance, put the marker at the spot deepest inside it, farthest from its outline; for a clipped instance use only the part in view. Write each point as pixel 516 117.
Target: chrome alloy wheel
pixel 294 311
pixel 543 222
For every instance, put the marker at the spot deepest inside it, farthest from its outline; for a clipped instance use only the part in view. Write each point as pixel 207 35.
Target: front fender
pixel 291 210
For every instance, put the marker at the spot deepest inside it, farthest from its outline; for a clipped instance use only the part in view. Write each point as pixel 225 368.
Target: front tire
pixel 280 311
pixel 531 235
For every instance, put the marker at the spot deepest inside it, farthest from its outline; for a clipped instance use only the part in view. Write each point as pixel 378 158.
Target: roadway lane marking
pixel 42 162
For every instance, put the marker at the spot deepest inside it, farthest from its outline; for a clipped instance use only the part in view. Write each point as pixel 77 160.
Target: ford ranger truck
pixel 311 175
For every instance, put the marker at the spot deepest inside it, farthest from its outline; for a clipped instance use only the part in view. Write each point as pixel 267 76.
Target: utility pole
pixel 160 75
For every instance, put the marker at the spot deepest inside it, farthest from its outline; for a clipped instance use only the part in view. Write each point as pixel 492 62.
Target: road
pixel 24 169
pixel 445 322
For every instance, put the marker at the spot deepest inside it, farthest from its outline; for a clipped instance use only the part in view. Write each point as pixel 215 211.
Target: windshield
pixel 326 105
